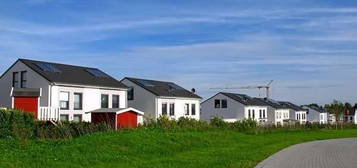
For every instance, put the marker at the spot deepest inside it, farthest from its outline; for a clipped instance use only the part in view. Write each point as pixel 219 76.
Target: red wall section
pixel 27 104
pixel 127 120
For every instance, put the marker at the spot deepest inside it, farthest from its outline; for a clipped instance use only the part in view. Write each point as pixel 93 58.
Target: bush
pixel 17 124
pixel 218 123
pixel 245 125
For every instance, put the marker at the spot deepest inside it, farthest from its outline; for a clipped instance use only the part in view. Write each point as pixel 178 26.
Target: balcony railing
pixel 49 114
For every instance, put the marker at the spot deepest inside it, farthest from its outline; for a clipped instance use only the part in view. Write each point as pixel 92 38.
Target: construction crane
pixel 266 87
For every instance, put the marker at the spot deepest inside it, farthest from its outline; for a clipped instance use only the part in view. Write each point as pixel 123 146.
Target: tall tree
pixel 337 108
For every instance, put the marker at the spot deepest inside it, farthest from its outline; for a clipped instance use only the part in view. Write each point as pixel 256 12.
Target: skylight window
pixel 47 67
pixel 145 83
pixel 97 73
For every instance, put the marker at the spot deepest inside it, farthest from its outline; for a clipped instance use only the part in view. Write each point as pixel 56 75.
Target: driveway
pixel 336 153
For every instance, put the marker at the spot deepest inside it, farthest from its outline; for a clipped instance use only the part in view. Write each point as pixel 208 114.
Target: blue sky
pixel 309 48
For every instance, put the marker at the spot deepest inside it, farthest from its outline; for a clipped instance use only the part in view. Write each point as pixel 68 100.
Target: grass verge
pixel 158 148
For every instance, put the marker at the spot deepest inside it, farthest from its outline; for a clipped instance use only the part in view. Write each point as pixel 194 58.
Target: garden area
pixel 162 143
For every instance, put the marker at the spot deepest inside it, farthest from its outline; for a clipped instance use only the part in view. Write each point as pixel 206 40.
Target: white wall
pixel 143 100
pixel 280 115
pixel 34 80
pixel 302 116
pixel 179 107
pixel 256 110
pixel 91 99
pixel 323 118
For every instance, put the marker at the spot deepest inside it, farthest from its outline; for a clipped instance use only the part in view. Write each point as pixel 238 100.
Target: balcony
pixel 49 114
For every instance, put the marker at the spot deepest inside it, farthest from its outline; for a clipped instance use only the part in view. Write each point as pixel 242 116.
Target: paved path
pixel 336 153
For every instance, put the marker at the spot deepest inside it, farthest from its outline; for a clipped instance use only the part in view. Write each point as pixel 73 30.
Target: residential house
pixel 53 91
pixel 158 98
pixel 316 114
pixel 300 113
pixel 350 116
pixel 232 107
pixel 283 114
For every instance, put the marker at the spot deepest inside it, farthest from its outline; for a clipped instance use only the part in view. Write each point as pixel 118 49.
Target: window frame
pixel 67 102
pixel 80 101
pixel 226 103
pixel 80 116
pixel 193 109
pixel 217 103
pixel 15 79
pixel 130 93
pixel 187 109
pixel 101 100
pixel 116 102
pixel 64 115
pixel 23 82
pixel 172 109
pixel 162 108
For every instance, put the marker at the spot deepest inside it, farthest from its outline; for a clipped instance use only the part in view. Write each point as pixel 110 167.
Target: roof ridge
pixel 23 59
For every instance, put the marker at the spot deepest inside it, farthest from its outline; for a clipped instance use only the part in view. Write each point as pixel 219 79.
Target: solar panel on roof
pixel 97 73
pixel 145 83
pixel 173 86
pixel 47 67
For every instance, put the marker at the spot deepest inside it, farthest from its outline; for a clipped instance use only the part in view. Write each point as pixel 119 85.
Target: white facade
pixel 323 118
pixel 50 97
pixel 145 100
pixel 257 113
pixel 183 107
pixel 301 116
pixel 281 115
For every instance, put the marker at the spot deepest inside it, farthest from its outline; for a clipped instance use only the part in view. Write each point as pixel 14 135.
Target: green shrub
pixel 218 123
pixel 17 124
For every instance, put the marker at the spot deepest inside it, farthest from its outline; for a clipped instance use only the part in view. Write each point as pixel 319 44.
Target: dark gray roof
pixel 69 74
pixel 292 106
pixel 107 110
pixel 26 92
pixel 273 103
pixel 320 110
pixel 244 99
pixel 161 88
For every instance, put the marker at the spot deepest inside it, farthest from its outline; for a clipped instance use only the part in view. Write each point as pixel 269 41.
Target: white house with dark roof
pixel 232 107
pixel 300 113
pixel 282 113
pixel 316 114
pixel 159 98
pixel 350 116
pixel 53 91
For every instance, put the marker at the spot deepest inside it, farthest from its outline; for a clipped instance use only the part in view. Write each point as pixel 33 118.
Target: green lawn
pixel 150 148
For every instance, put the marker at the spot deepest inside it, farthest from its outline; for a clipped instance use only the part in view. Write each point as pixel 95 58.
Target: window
pixel 253 114
pixel 23 79
pixel 264 116
pixel 217 103
pixel 164 109
pixel 249 114
pixel 260 114
pixel 131 93
pixel 64 100
pixel 172 109
pixel 224 103
pixel 187 109
pixel 64 117
pixel 303 116
pixel 78 101
pixel 193 109
pixel 15 79
pixel 104 101
pixel 115 101
pixel 77 117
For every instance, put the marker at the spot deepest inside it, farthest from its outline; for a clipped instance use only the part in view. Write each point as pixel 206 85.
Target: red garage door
pixel 127 120
pixel 27 104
